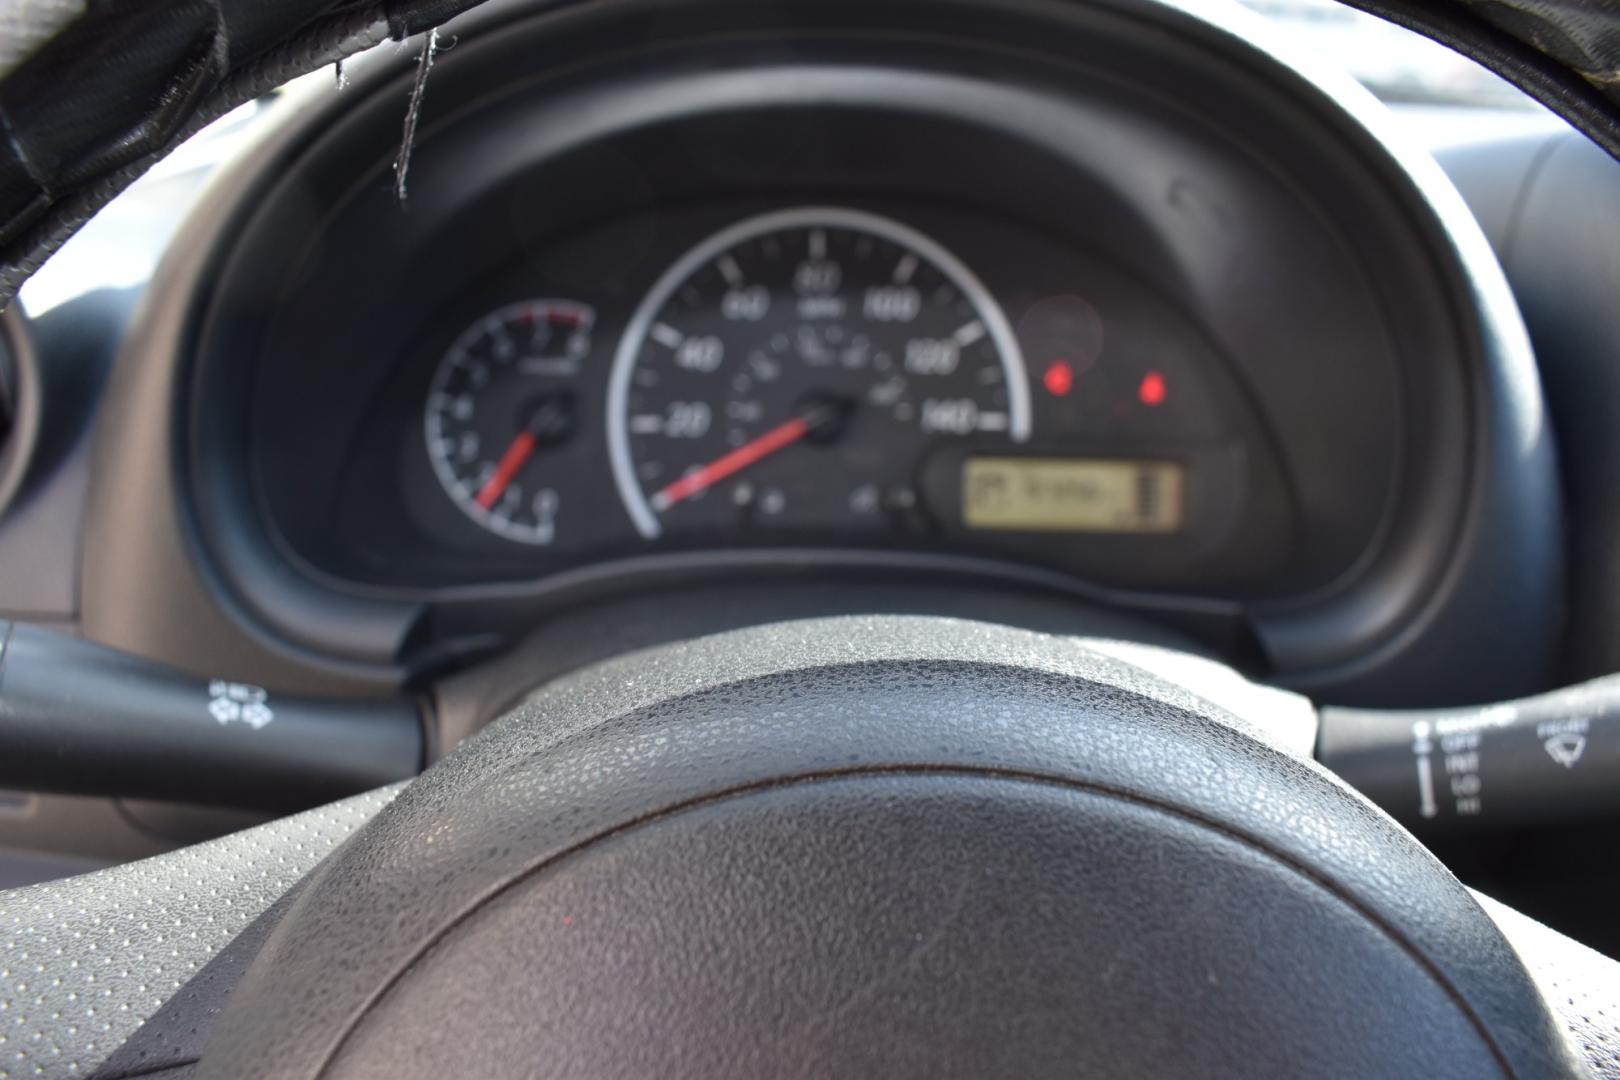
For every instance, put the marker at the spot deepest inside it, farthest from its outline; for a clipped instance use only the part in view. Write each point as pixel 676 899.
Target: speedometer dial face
pixel 796 370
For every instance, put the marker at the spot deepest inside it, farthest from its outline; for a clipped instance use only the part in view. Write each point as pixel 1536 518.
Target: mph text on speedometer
pixel 795 370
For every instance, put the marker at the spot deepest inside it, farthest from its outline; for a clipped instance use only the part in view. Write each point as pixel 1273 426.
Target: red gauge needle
pixel 700 480
pixel 551 422
pixel 517 455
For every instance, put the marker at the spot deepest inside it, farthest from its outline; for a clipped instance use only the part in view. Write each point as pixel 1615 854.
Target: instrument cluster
pixel 813 376
pixel 1045 304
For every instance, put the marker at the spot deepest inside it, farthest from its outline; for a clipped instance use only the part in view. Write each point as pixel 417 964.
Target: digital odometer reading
pixel 794 371
pixel 1071 495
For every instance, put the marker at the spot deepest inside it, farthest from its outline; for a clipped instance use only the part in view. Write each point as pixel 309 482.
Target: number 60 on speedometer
pixel 795 370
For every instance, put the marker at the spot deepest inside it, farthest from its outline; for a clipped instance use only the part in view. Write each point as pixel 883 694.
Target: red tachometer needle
pixel 700 480
pixel 516 456
pixel 550 423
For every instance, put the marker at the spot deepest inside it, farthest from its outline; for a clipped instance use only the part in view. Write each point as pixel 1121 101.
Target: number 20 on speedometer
pixel 795 370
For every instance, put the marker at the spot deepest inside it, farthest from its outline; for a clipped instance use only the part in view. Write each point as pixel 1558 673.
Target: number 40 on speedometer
pixel 797 369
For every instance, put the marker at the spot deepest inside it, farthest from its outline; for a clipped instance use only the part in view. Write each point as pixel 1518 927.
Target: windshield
pixel 1400 66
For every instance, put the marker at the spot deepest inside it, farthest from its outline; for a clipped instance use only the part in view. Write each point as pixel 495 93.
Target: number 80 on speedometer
pixel 796 370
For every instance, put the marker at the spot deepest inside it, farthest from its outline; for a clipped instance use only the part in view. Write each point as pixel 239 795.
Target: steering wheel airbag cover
pixel 881 845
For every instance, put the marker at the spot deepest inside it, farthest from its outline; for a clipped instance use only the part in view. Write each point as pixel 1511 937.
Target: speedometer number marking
pixel 806 361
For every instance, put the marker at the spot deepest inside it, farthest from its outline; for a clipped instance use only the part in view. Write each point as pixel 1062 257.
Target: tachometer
pixel 502 397
pixel 794 371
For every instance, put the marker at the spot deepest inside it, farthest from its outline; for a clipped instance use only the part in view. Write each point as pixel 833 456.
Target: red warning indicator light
pixel 1059 378
pixel 1151 392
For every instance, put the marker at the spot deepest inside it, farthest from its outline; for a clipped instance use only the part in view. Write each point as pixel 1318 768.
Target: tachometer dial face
pixel 501 403
pixel 795 370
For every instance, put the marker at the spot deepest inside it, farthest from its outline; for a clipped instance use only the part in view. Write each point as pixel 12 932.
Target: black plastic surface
pixel 1463 483
pixel 465 702
pixel 1552 209
pixel 861 844
pixel 1548 759
pixel 81 719
pixel 390 522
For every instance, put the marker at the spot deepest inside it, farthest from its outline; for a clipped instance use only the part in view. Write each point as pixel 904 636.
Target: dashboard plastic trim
pixel 285 613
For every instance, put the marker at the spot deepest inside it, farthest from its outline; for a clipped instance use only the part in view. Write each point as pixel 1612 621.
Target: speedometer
pixel 795 371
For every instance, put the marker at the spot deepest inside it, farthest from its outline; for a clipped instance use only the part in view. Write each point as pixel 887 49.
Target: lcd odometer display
pixel 1071 495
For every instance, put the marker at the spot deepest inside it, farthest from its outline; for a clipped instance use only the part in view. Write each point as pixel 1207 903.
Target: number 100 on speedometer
pixel 796 370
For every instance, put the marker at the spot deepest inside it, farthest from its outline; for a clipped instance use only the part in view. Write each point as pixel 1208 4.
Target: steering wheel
pixel 849 846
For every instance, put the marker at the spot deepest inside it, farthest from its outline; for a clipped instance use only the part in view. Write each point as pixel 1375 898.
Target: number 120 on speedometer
pixel 795 371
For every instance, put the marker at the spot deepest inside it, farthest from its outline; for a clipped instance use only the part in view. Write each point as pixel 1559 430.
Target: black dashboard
pixel 1035 307
pixel 550 417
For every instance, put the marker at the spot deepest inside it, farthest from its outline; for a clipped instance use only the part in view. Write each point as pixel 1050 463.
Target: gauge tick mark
pixel 969 333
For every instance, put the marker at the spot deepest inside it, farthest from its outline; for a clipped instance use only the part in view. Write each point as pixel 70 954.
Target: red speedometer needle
pixel 748 453
pixel 517 455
